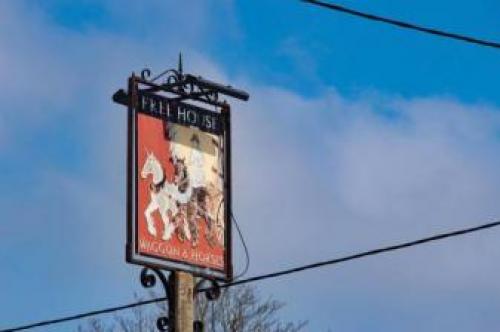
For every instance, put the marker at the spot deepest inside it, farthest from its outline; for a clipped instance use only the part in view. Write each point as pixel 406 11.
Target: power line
pixel 360 255
pixel 373 252
pixel 84 315
pixel 404 25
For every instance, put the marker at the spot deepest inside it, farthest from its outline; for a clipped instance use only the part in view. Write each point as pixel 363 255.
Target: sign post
pixel 184 302
pixel 178 185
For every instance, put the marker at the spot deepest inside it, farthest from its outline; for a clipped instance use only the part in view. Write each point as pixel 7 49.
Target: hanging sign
pixel 179 186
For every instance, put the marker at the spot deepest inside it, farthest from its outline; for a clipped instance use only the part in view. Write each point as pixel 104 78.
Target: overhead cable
pixel 359 255
pixel 276 274
pixel 83 315
pixel 404 25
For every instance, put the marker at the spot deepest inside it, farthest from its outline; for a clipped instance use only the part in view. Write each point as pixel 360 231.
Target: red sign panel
pixel 179 190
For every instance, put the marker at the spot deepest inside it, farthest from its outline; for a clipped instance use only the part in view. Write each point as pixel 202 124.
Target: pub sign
pixel 179 185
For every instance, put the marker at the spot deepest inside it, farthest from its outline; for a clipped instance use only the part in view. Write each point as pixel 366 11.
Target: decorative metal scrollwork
pixel 190 87
pixel 149 277
pixel 163 323
pixel 212 293
pixel 183 87
pixel 148 280
pixel 145 73
pixel 170 76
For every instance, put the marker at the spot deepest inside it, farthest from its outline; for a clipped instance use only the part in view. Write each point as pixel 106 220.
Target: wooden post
pixel 183 302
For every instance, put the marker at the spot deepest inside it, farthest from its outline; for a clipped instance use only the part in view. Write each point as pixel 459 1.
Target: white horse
pixel 164 197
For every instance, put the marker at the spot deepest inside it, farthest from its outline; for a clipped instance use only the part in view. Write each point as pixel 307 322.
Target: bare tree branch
pixel 238 309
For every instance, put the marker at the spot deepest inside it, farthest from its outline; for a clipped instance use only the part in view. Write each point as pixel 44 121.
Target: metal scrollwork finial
pixel 145 73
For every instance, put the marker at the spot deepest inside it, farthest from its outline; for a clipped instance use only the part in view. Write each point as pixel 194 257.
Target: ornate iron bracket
pixel 180 86
pixel 212 293
pixel 190 87
pixel 148 280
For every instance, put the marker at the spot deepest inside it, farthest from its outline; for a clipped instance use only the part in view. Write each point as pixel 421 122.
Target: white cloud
pixel 326 177
pixel 333 169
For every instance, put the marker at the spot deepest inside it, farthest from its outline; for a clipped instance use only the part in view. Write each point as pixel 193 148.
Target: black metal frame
pixel 177 87
pixel 188 86
pixel 184 87
pixel 133 255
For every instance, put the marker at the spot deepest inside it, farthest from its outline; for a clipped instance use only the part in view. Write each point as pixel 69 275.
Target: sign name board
pixel 181 113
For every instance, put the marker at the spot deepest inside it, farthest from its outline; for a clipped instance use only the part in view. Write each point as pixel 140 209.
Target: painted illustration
pixel 181 193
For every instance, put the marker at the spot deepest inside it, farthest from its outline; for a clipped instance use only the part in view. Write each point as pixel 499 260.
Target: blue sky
pixel 358 135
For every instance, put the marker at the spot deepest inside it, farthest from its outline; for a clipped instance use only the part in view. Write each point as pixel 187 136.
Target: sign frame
pixel 133 255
